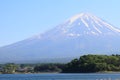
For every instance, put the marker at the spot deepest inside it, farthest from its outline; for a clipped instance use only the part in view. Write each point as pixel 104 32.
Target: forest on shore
pixel 85 64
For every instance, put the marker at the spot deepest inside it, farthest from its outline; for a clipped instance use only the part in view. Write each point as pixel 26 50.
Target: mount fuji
pixel 81 34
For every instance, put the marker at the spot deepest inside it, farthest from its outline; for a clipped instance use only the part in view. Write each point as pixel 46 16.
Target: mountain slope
pixel 82 34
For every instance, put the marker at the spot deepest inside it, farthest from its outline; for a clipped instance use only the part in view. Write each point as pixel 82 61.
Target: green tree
pixel 9 68
pixel 93 63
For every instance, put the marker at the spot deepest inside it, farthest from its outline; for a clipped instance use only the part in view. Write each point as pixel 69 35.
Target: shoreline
pixel 106 72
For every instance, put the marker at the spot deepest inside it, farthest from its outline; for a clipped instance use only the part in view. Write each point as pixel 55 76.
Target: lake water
pixel 112 76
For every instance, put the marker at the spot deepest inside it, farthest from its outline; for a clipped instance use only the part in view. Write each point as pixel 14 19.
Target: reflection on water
pixel 108 79
pixel 60 76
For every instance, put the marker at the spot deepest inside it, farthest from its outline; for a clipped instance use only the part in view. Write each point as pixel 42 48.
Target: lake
pixel 90 76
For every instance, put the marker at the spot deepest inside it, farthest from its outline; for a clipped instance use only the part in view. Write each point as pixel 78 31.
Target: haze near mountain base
pixel 82 34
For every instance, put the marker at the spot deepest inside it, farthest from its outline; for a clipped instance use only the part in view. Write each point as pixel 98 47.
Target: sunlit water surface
pixel 95 76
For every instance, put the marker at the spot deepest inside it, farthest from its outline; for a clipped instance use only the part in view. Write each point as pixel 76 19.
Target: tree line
pixel 85 64
pixel 93 63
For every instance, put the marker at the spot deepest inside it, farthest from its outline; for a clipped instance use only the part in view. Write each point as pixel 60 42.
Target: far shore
pixel 102 72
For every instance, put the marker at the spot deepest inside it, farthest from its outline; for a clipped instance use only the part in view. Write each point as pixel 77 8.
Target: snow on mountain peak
pixel 81 15
pixel 91 24
pixel 79 25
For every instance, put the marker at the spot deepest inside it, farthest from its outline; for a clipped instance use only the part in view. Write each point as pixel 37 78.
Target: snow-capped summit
pixel 90 24
pixel 81 25
pixel 81 34
pixel 80 16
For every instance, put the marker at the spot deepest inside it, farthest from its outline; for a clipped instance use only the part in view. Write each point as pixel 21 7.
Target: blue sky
pixel 21 19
